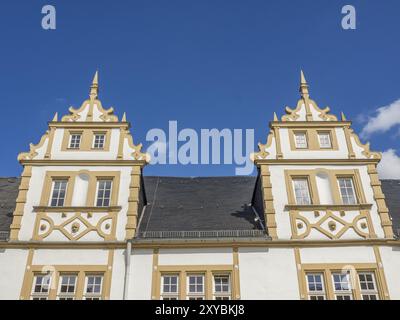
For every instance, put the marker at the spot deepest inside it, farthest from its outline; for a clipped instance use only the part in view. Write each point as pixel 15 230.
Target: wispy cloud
pixel 389 167
pixel 383 120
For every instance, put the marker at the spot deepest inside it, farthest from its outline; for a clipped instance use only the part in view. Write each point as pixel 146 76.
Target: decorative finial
pixel 275 117
pixel 303 85
pixel 124 117
pixel 94 88
pixel 343 117
pixel 55 118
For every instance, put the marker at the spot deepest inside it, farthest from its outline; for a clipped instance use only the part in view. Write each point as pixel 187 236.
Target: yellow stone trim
pixel 349 144
pixel 236 275
pixel 133 202
pixel 310 175
pixel 20 203
pixel 33 149
pixel 366 147
pixel 77 163
pixel 379 197
pixel 25 291
pixel 50 143
pixel 107 115
pixel 381 272
pixel 277 136
pixel 300 277
pixel 268 202
pixel 155 286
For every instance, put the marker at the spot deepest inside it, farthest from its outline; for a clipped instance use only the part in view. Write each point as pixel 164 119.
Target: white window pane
pixel 301 191
pixel 316 287
pixel 300 140
pixel 59 192
pixel 347 191
pixel 222 287
pixel 103 193
pixel 94 287
pixel 98 142
pixel 368 287
pixel 170 287
pixel 75 141
pixel 324 140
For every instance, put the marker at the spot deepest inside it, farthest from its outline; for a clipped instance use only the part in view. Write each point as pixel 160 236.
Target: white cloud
pixel 389 167
pixel 385 118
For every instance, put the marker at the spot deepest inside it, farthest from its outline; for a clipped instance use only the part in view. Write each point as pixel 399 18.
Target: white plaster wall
pixel 268 274
pixel 36 187
pixel 51 257
pixel 57 154
pixel 338 255
pixel 281 199
pixel 12 269
pixel 203 256
pixel 118 275
pixel 391 266
pixel 140 274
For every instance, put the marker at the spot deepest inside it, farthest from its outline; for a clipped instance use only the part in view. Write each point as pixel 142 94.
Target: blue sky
pixel 207 64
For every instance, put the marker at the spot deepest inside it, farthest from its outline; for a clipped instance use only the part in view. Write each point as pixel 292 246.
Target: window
pixel 222 287
pixel 342 287
pixel 41 287
pixel 195 290
pixel 93 287
pixel 75 141
pixel 302 192
pixel 67 287
pixel 324 139
pixel 170 287
pixel 300 139
pixel 99 140
pixel 368 286
pixel 59 191
pixel 103 193
pixel 316 288
pixel 347 190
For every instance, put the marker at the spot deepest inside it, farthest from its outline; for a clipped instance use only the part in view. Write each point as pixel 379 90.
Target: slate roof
pixel 206 205
pixel 8 195
pixel 199 204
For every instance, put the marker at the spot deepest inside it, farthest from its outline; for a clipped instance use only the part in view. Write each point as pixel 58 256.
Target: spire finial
pixel 94 88
pixel 55 118
pixel 303 85
pixel 343 117
pixel 275 117
pixel 124 117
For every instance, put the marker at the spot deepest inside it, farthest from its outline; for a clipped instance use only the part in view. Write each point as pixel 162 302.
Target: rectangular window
pixel 75 141
pixel 301 191
pixel 342 286
pixel 324 140
pixel 347 192
pixel 195 287
pixel 59 191
pixel 316 287
pixel 170 287
pixel 222 287
pixel 99 140
pixel 300 139
pixel 103 193
pixel 41 287
pixel 368 286
pixel 67 287
pixel 93 287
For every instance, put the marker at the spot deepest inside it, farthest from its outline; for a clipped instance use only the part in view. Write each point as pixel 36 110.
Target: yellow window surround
pixel 87 139
pixel 313 143
pixel 70 176
pixel 333 176
pixel 209 271
pixel 352 268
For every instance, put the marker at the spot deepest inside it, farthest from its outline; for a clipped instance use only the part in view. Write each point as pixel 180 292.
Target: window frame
pixel 195 295
pixel 327 133
pixel 340 292
pixel 79 143
pixel 356 193
pixel 67 295
pixel 302 178
pixel 110 198
pixel 96 134
pixel 53 185
pixel 40 295
pixel 369 292
pixel 221 295
pixel 315 293
pixel 170 295
pixel 306 140
pixel 90 295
